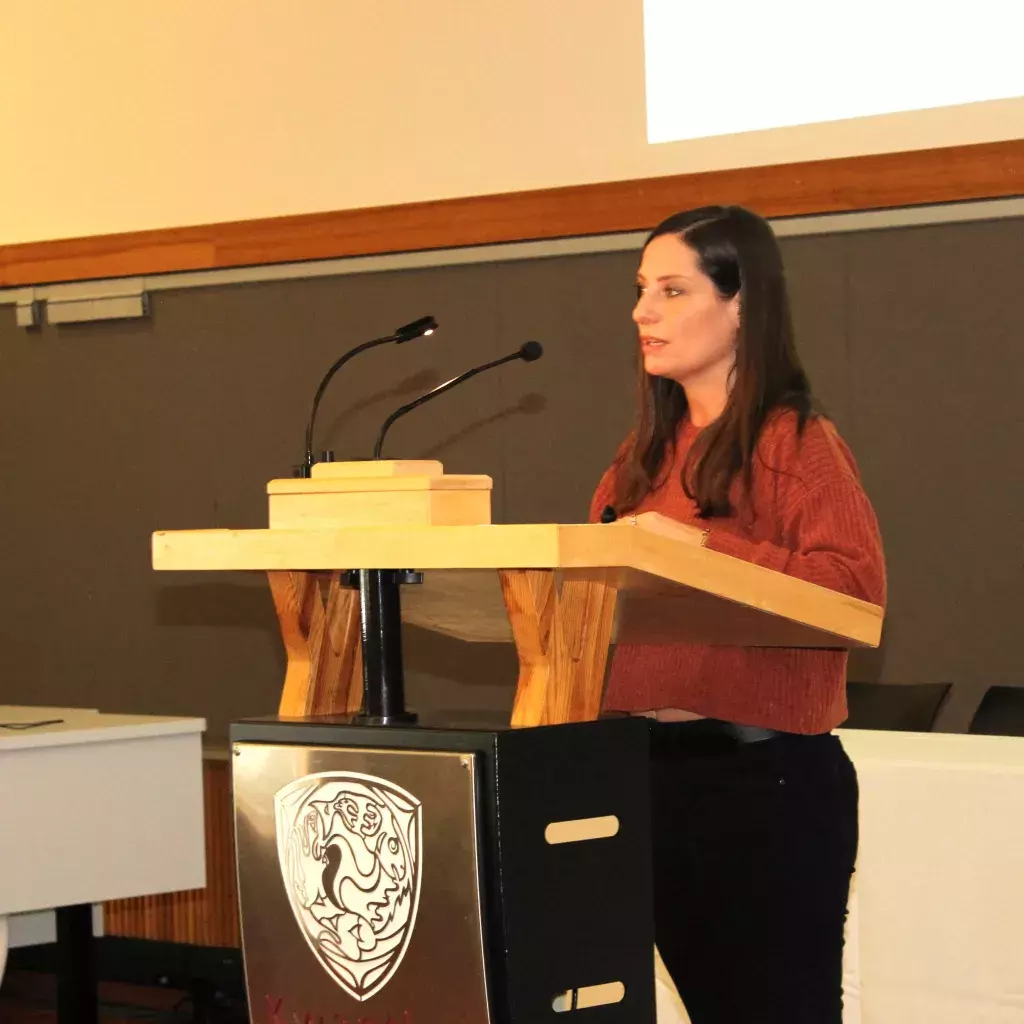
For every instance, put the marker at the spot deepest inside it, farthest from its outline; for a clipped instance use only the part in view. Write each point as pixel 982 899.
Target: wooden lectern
pixel 520 918
pixel 561 593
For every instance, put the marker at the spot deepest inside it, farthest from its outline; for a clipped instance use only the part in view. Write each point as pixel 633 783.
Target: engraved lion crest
pixel 350 848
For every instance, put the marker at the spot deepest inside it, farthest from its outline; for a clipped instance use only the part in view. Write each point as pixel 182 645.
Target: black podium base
pixel 442 874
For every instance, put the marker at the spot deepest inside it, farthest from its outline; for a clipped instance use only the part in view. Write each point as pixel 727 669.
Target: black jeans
pixel 754 846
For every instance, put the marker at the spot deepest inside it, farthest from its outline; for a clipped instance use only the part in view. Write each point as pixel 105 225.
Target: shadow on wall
pixel 404 391
pixel 529 405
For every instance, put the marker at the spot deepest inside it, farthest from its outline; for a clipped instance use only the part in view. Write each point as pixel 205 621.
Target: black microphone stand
pixel 379 605
pixel 529 352
pixel 408 332
pixel 379 594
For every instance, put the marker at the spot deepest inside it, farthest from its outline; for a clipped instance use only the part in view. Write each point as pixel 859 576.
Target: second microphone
pixel 528 352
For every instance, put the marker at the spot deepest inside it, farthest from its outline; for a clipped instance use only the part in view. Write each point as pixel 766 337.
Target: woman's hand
pixel 664 526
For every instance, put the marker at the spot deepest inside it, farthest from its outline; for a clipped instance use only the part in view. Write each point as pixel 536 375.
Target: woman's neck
pixel 705 405
pixel 708 394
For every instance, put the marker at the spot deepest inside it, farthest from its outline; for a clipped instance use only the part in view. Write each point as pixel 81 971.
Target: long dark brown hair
pixel 738 251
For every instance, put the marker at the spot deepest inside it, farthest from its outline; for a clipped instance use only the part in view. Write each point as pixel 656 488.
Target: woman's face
pixel 687 330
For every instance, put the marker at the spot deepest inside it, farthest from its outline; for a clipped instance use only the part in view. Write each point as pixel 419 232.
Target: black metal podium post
pixel 380 606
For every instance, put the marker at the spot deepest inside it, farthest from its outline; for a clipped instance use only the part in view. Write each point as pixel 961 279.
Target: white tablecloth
pixel 937 910
pixel 96 807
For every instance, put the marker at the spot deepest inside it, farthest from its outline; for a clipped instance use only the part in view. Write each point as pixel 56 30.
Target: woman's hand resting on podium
pixel 666 526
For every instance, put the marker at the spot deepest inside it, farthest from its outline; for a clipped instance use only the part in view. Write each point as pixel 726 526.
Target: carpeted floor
pixel 29 997
pixel 140 983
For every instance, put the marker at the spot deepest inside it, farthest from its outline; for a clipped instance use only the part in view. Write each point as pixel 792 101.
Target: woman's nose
pixel 643 312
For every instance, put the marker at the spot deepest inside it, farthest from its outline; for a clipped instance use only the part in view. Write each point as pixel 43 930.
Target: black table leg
pixel 77 1001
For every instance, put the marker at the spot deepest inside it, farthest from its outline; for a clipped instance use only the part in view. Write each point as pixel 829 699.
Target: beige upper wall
pixel 123 115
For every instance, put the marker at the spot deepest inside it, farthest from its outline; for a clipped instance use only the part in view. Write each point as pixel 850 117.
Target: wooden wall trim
pixel 991 170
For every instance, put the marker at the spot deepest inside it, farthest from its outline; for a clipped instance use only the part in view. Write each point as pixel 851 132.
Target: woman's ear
pixel 734 310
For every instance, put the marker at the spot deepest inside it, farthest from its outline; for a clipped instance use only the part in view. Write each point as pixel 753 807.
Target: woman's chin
pixel 658 366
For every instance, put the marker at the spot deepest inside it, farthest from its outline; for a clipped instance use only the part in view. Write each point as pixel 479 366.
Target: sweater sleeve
pixel 832 539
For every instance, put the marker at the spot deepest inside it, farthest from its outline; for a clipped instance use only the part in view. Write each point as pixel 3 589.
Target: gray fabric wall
pixel 913 339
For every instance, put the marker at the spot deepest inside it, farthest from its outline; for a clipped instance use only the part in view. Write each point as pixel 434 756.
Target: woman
pixel 754 803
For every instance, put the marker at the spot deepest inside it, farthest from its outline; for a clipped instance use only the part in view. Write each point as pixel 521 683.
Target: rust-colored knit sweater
pixel 813 521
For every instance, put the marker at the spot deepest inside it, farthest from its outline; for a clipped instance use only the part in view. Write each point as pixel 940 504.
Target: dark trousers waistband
pixel 716 729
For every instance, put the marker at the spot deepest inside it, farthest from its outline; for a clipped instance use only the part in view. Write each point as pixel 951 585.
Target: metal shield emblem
pixel 350 850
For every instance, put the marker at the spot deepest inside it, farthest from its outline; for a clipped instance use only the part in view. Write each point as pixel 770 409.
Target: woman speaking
pixel 754 801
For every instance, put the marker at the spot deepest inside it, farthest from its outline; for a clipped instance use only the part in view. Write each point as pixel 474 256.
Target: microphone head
pixel 418 328
pixel 530 350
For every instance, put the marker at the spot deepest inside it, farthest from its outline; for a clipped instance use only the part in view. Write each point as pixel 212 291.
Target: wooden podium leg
pixel 321 636
pixel 562 636
pixel 530 601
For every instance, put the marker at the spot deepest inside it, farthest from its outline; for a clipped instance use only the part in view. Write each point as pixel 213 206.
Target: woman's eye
pixel 671 293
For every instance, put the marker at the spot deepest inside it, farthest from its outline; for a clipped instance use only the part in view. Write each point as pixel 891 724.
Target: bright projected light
pixel 718 69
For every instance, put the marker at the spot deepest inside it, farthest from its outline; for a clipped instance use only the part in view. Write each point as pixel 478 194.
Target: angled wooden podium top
pixel 669 590
pixel 560 592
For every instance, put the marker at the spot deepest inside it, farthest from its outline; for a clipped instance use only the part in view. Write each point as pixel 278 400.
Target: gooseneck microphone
pixel 409 332
pixel 528 352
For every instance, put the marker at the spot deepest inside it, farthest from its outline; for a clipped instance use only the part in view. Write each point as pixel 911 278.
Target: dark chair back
pixel 901 707
pixel 1001 712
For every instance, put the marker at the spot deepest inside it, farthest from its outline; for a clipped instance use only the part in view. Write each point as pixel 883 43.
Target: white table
pixel 937 911
pixel 95 807
pixel 940 877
